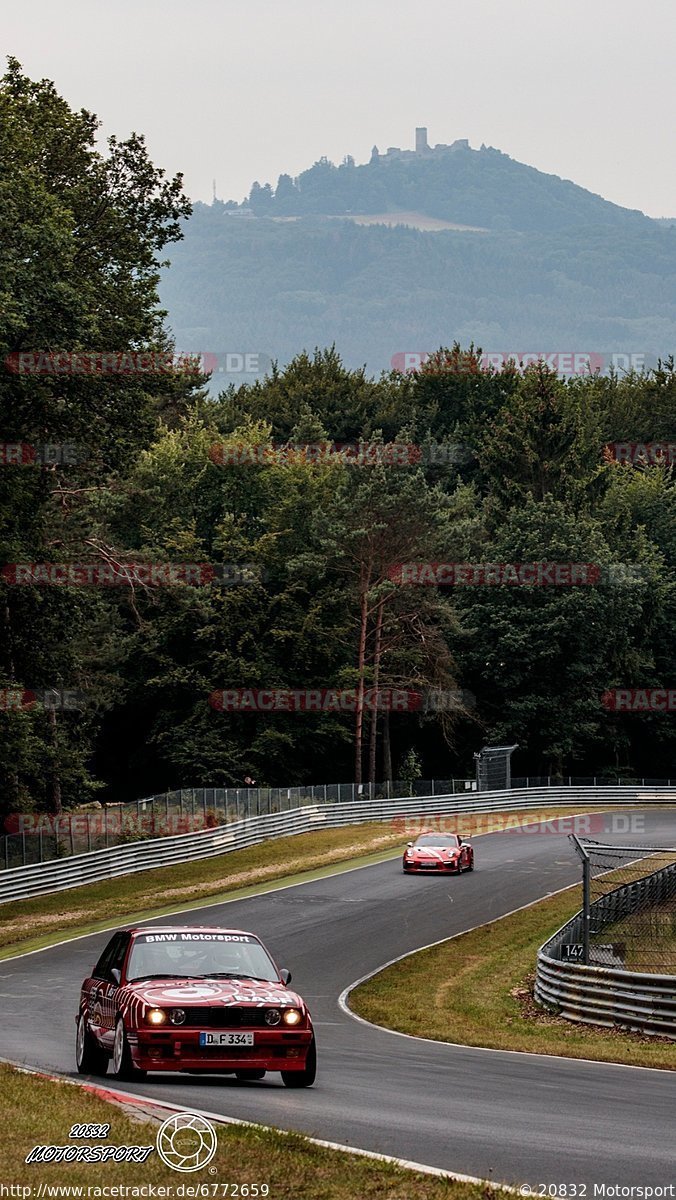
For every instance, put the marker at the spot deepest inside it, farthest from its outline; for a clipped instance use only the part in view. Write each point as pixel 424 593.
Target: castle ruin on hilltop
pixel 422 147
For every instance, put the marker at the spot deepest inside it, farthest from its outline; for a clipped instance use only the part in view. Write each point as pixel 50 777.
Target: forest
pixel 167 548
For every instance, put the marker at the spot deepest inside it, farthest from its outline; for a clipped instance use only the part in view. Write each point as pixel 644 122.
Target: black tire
pixel 299 1079
pixel 250 1073
pixel 123 1067
pixel 471 864
pixel 90 1058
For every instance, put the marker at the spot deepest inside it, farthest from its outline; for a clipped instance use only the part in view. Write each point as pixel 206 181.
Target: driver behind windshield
pixel 199 959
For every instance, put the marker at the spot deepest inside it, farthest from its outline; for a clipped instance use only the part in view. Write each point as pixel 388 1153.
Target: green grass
pixel 476 989
pixel 31 924
pixel 649 939
pixel 40 1111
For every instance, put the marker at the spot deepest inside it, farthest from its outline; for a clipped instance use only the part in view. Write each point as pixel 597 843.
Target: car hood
pixel 212 992
pixel 442 852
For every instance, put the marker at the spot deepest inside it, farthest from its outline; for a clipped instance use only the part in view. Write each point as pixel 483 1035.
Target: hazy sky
pixel 237 90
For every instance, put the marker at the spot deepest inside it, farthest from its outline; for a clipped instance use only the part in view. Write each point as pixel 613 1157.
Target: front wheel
pixel 90 1058
pixel 305 1078
pixel 123 1066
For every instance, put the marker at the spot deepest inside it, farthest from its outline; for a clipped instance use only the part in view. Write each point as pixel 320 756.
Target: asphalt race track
pixel 515 1118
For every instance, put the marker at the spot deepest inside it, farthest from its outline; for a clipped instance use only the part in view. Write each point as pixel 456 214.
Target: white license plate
pixel 226 1039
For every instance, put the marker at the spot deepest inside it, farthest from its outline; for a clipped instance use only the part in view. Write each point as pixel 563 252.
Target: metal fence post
pixel 586 906
pixel 581 852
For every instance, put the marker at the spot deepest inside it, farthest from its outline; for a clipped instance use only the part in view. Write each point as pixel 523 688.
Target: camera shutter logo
pixel 186 1142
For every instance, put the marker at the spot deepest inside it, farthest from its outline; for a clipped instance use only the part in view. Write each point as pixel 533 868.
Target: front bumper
pixel 178 1049
pixel 427 868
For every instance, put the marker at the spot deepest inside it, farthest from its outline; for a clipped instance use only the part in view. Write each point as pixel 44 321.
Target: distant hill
pixel 547 265
pixel 453 183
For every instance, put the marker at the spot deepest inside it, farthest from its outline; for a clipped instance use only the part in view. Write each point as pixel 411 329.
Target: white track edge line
pixel 413 1037
pixel 196 907
pixel 140 1099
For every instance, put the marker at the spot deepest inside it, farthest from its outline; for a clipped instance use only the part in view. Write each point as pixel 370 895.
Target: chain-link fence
pixel 629 908
pixel 40 837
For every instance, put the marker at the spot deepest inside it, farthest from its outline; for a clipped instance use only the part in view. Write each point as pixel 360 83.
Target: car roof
pixel 443 837
pixel 134 929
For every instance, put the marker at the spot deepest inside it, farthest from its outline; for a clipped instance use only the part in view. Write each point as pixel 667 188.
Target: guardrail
pixel 61 874
pixel 602 995
pixel 38 837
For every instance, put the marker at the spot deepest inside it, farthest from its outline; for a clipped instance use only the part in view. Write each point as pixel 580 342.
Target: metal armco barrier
pixel 608 996
pixel 60 874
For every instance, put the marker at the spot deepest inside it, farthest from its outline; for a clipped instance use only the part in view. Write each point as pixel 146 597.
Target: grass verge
pixel 31 924
pixel 476 989
pixel 38 1111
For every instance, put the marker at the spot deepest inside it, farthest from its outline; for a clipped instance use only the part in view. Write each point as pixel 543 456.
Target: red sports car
pixel 438 852
pixel 194 999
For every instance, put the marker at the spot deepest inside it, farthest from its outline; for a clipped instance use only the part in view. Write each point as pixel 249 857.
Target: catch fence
pixel 41 837
pixel 614 963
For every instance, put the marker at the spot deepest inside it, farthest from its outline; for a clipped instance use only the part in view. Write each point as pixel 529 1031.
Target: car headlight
pixel 156 1016
pixel 292 1016
pixel 273 1016
pixel 177 1016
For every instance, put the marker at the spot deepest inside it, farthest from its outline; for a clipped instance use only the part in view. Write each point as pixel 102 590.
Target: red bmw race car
pixel 193 999
pixel 438 852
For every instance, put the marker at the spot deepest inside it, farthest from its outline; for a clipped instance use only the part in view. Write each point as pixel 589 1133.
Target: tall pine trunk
pixel 387 747
pixel 376 682
pixel 359 722
pixel 56 805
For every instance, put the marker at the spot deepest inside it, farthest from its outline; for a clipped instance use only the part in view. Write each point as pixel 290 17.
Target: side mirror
pixel 115 975
pixel 409 844
pixel 285 975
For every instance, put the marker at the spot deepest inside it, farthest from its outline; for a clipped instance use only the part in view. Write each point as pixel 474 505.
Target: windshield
pixel 437 839
pixel 188 954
